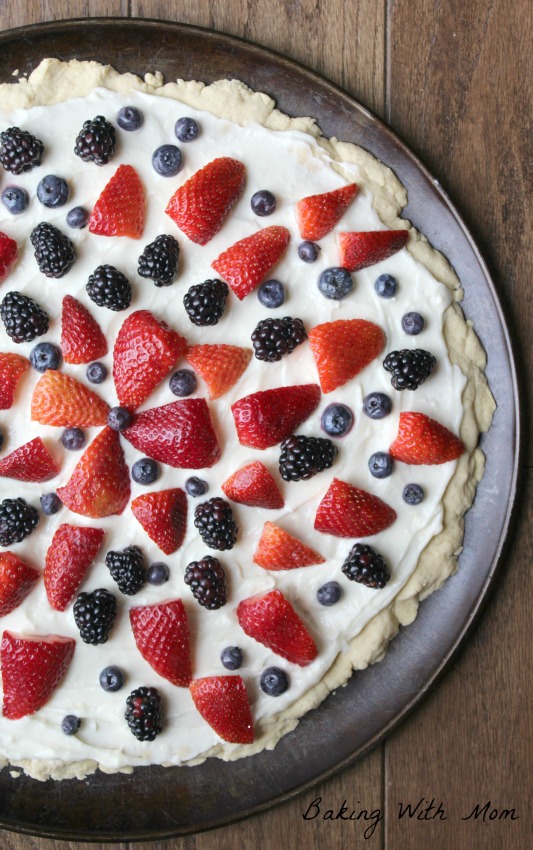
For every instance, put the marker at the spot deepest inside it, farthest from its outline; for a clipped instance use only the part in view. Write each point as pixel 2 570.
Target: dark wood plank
pixel 18 13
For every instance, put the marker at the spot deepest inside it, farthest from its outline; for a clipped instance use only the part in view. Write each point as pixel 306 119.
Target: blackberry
pixel 273 338
pixel 17 521
pixel 94 615
pixel 128 569
pixel 23 318
pixel 54 251
pixel 207 580
pixel 159 260
pixel 364 565
pixel 108 287
pixel 214 521
pixel 19 150
pixel 302 457
pixel 409 367
pixel 205 302
pixel 143 713
pixel 96 141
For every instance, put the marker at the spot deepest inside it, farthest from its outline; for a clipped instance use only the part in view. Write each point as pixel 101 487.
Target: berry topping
pixel 343 348
pixel 19 150
pixel 337 420
pixel 17 521
pixel 271 620
pixel 303 457
pixel 50 504
pixel 377 405
pixel 163 515
pixel 63 401
pixel 263 202
pixel 279 550
pixel 45 356
pixel 30 462
pixel 32 669
pixel 413 494
pixel 308 251
pixel 54 251
pixel 96 373
pixel 409 367
pixel 274 681
pixel 265 418
pixel 159 260
pixel 82 339
pixel 220 366
pixel 317 215
pixel 329 593
pixel 380 464
pixel 53 191
pixel 128 569
pixel 271 294
pixel 347 511
pixel 413 323
pixel 207 580
pixel 78 218
pixel 15 199
pixel 96 141
pixel 196 487
pixel 119 418
pixel 161 633
pixel 111 679
pixel 253 485
pixel 94 615
pixel 422 440
pixel 145 471
pixel 158 573
pixel 17 579
pixel 335 283
pixel 129 118
pixel 70 724
pixel 12 368
pixel 364 565
pixel 143 713
pixel 22 317
pixel 167 160
pixel 214 521
pixel 120 209
pixel 359 250
pixel 231 657
pixel 108 287
pixel 386 286
pixel 183 383
pixel 205 302
pixel 72 551
pixel 186 129
pixel 223 703
pixel 246 263
pixel 273 338
pixel 8 255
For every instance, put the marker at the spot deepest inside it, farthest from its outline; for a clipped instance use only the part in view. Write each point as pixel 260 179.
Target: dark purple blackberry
pixel 302 457
pixel 108 287
pixel 364 565
pixel 159 260
pixel 409 367
pixel 94 615
pixel 143 713
pixel 273 338
pixel 96 141
pixel 54 251
pixel 128 569
pixel 207 580
pixel 214 521
pixel 23 318
pixel 17 521
pixel 19 150
pixel 205 302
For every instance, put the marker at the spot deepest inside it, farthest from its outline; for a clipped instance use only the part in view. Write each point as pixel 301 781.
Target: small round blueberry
pixel 1 439
pixel 263 202
pixel 15 199
pixel 145 471
pixel 412 323
pixel 335 283
pixel 119 418
pixel 308 251
pixel 96 373
pixel 386 286
pixel 186 129
pixel 53 191
pixel 413 494
pixel 73 439
pixel 337 420
pixel 377 405
pixel 70 724
pixel 45 355
pixel 380 464
pixel 274 681
pixel 78 217
pixel 130 118
pixel 50 504
pixel 158 573
pixel 183 383
pixel 196 487
pixel 167 160
pixel 329 593
pixel 271 294
pixel 111 679
pixel 231 657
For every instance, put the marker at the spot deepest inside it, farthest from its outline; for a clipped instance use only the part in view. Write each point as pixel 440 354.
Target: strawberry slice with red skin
pixel 362 249
pixel 317 215
pixel 201 206
pixel 82 340
pixel 179 434
pixel 161 633
pixel 279 550
pixel 146 349
pixel 100 483
pixel 12 368
pixel 163 515
pixel 8 255
pixel 271 620
pixel 17 579
pixel 223 703
pixel 120 209
pixel 30 462
pixel 61 400
pixel 220 366
pixel 32 668
pixel 72 551
pixel 246 263
pixel 347 511
pixel 253 485
pixel 423 440
pixel 343 348
pixel 265 418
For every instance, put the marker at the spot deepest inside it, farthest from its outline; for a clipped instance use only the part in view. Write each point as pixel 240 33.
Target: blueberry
pixel 50 503
pixel 145 471
pixel 263 202
pixel 329 593
pixel 196 487
pixel 45 356
pixel 183 383
pixel 274 681
pixel 231 657
pixel 271 294
pixel 158 573
pixel 377 405
pixel 186 129
pixel 308 251
pixel 412 323
pixel 386 286
pixel 1 439
pixel 70 724
pixel 167 160
pixel 119 418
pixel 129 118
pixel 73 439
pixel 380 464
pixel 53 191
pixel 413 494
pixel 111 679
pixel 78 217
pixel 96 373
pixel 335 283
pixel 337 420
pixel 15 199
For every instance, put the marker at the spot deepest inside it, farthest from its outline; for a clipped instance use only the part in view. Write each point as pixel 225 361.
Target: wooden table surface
pixel 452 78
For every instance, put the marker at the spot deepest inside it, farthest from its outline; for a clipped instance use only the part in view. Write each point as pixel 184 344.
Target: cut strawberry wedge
pixel 17 579
pixel 223 703
pixel 246 263
pixel 163 515
pixel 161 633
pixel 279 550
pixel 362 249
pixel 343 348
pixel 12 368
pixel 8 255
pixel 32 668
pixel 82 340
pixel 220 366
pixel 30 462
pixel 317 215
pixel 61 400
pixel 271 620
pixel 253 485
pixel 265 418
pixel 347 511
pixel 423 440
pixel 69 556
pixel 120 209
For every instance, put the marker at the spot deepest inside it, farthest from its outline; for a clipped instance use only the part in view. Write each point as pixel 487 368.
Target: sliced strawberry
pixel 100 483
pixel 82 340
pixel 246 263
pixel 163 515
pixel 220 366
pixel 161 633
pixel 8 255
pixel 265 418
pixel 279 550
pixel 223 703
pixel 12 368
pixel 347 511
pixel 201 206
pixel 271 620
pixel 343 348
pixel 359 250
pixel 61 400
pixel 32 668
pixel 30 462
pixel 318 214
pixel 253 485
pixel 145 351
pixel 424 440
pixel 180 433
pixel 120 209
pixel 69 556
pixel 16 580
